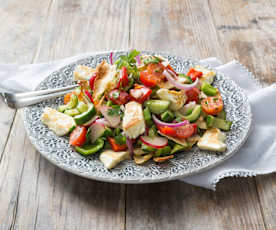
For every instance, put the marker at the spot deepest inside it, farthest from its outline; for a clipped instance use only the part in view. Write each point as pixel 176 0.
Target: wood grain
pixel 176 205
pixel 187 29
pixel 41 196
pixel 248 34
pixel 20 35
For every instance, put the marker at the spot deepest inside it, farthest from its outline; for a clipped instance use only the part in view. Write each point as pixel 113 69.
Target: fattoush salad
pixel 138 107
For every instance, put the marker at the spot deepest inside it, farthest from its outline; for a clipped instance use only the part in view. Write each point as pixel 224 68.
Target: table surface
pixel 34 194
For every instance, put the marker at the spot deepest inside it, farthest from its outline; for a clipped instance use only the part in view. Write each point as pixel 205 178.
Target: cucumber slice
pixel 222 115
pixel 82 107
pixel 86 116
pixel 72 112
pixel 208 89
pixel 167 116
pixel 214 122
pixel 73 102
pixel 62 108
pixel 193 116
pixel 147 116
pixel 157 106
pixel 89 149
pixel 163 151
pixel 178 148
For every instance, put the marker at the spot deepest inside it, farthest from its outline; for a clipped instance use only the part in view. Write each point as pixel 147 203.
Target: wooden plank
pixel 19 37
pixel 186 28
pixel 176 205
pixel 41 196
pixel 248 34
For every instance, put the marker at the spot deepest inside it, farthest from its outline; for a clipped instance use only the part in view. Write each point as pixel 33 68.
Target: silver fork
pixel 19 100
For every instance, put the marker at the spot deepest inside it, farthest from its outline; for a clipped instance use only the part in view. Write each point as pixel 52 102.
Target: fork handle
pixel 26 101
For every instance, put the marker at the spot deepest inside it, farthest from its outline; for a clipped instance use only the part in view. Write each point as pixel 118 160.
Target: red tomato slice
pixel 116 147
pixel 118 97
pixel 185 131
pixel 192 95
pixel 149 80
pixel 167 130
pixel 92 80
pixel 156 69
pixel 77 137
pixel 212 105
pixel 194 74
pixel 124 77
pixel 140 93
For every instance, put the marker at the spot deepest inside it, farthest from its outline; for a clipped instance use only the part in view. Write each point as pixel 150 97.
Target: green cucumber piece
pixel 208 89
pixel 73 102
pixel 147 116
pixel 214 122
pixel 167 116
pixel 163 151
pixel 193 116
pixel 222 115
pixel 178 148
pixel 147 148
pixel 82 107
pixel 72 112
pixel 89 149
pixel 86 116
pixel 157 106
pixel 62 108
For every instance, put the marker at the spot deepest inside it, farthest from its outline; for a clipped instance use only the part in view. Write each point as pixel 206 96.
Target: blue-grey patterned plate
pixel 57 150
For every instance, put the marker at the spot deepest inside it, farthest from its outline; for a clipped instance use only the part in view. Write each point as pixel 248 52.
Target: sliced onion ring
pixel 161 123
pixel 169 75
pixel 111 58
pixel 138 59
pixel 129 146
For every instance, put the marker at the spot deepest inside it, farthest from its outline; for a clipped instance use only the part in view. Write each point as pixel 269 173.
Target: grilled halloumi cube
pixel 83 73
pixel 133 120
pixel 58 122
pixel 177 98
pixel 208 75
pixel 105 80
pixel 110 158
pixel 213 139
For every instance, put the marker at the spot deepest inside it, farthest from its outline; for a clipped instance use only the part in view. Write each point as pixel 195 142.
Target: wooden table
pixel 34 194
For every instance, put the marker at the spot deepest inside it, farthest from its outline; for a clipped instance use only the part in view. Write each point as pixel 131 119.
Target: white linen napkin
pixel 257 156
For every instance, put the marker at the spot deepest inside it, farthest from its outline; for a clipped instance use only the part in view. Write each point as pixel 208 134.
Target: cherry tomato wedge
pixel 194 74
pixel 118 97
pixel 212 105
pixel 167 130
pixel 192 95
pixel 155 69
pixel 140 93
pixel 185 131
pixel 116 147
pixel 78 136
pixel 149 80
pixel 92 80
pixel 124 77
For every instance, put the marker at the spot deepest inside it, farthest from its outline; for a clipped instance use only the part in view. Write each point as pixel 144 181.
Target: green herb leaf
pixel 120 139
pixel 116 94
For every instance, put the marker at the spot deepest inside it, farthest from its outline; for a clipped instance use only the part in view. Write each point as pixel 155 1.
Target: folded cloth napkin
pixel 258 154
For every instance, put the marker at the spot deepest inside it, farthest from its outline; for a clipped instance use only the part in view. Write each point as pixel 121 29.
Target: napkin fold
pixel 257 156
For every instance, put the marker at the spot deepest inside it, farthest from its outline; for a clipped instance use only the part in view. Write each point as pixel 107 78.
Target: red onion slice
pixel 111 58
pixel 161 123
pixel 138 59
pixel 169 75
pixel 129 146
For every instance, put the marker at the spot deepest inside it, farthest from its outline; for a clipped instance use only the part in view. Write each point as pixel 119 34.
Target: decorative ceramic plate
pixel 57 150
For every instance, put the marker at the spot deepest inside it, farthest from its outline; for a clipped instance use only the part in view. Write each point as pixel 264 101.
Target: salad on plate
pixel 140 108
